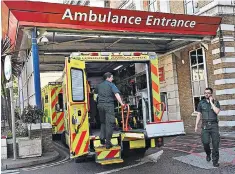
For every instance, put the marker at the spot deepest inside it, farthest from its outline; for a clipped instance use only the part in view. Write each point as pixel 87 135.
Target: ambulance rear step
pixel 108 156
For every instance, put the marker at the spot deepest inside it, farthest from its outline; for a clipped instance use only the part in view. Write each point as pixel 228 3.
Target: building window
pixel 191 6
pixel 46 99
pixel 152 5
pixel 165 6
pixel 198 75
pixel 77 2
pixel 60 101
pixel 107 4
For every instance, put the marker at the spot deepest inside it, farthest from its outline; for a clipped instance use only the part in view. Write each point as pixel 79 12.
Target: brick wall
pixel 47 145
pixel 184 84
pixel 114 4
pixel 170 86
pixel 184 81
pixel 227 114
pixel 203 3
pixel 177 7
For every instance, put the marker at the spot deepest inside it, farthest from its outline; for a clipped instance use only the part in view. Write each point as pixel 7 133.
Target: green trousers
pixel 210 131
pixel 107 120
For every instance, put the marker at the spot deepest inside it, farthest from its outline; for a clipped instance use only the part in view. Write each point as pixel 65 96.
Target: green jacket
pixel 206 110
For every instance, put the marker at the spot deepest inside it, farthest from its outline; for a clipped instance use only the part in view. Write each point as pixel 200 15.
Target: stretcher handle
pixel 164 108
pixel 125 126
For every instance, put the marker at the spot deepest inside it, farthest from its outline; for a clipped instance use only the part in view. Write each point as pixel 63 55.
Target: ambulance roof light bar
pixel 76 54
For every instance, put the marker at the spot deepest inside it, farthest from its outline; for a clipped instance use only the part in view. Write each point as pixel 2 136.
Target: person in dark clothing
pixel 107 92
pixel 208 109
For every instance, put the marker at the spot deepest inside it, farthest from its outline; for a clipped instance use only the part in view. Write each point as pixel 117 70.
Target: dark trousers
pixel 107 120
pixel 211 131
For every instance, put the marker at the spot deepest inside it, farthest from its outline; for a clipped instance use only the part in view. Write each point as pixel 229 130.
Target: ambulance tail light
pixel 137 54
pixel 94 54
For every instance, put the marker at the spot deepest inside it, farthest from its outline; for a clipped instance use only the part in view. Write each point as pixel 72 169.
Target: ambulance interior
pixel 131 80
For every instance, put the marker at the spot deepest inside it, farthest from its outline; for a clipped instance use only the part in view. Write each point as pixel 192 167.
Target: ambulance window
pixel 60 100
pixel 77 85
pixel 46 99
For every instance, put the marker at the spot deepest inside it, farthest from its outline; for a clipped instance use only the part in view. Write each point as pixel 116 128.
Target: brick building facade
pixel 191 69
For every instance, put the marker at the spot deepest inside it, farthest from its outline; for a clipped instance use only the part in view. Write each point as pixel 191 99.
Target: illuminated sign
pixel 122 19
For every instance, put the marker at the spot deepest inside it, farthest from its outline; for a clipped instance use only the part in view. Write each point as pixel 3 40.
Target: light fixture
pixel 118 67
pixel 44 40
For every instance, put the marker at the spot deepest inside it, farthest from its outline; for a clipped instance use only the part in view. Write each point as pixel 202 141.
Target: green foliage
pixel 31 114
pixel 9 134
pixel 46 112
pixel 6 49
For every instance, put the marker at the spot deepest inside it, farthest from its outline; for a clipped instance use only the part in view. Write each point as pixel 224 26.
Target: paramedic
pixel 107 91
pixel 208 109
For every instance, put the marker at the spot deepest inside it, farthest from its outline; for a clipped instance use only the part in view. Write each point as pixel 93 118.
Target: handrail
pixel 125 126
pixel 83 118
pixel 164 108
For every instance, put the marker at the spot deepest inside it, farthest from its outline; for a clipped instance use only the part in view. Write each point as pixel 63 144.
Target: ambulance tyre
pixel 80 159
pixel 141 151
pixel 125 149
pixel 63 138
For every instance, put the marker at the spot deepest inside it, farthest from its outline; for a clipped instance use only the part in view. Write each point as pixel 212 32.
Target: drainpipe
pixel 36 70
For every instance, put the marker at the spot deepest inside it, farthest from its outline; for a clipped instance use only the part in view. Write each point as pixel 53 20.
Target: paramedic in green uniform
pixel 208 110
pixel 107 92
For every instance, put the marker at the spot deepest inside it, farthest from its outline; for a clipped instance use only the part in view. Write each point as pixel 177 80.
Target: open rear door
pixel 78 126
pixel 157 127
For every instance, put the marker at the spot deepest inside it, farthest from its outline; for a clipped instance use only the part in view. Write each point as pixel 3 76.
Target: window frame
pixel 186 2
pixel 82 84
pixel 46 98
pixel 61 103
pixel 205 74
pixel 154 3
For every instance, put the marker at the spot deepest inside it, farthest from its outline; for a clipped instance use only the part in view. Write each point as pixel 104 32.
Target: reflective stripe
pixel 137 144
pixel 107 154
pixel 153 144
pixel 156 90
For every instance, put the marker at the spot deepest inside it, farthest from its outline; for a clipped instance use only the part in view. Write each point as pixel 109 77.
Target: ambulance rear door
pixel 77 108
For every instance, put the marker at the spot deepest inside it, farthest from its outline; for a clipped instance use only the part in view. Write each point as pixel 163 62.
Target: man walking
pixel 209 109
pixel 106 92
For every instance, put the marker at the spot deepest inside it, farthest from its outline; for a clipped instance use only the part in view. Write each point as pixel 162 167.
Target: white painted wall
pixel 26 84
pixel 49 77
pixel 97 3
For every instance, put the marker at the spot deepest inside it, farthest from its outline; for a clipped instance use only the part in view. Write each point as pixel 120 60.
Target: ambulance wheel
pixel 125 149
pixel 80 159
pixel 63 138
pixel 141 152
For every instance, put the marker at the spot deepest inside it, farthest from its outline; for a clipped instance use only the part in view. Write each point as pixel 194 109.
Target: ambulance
pixel 139 125
pixel 52 97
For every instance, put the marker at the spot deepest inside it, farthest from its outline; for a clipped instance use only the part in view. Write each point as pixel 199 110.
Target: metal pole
pixel 13 119
pixel 37 85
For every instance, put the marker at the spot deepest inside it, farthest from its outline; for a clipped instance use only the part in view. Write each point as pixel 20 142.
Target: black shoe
pixel 102 142
pixel 208 158
pixel 109 146
pixel 216 164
